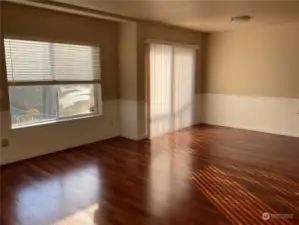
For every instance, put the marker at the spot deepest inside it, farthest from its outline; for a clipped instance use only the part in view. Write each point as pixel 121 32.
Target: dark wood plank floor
pixel 202 175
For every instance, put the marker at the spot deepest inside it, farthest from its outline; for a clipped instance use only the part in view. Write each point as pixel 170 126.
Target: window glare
pixel 39 104
pixel 76 99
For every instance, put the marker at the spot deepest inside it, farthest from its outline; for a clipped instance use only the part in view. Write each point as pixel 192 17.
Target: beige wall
pixel 23 21
pixel 127 44
pixel 3 101
pixel 147 30
pixel 259 62
pixel 166 33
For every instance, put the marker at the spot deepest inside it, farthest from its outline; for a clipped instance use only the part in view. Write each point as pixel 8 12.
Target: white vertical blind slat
pixel 160 89
pixel 184 75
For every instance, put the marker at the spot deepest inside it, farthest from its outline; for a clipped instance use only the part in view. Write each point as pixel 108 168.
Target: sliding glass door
pixel 171 88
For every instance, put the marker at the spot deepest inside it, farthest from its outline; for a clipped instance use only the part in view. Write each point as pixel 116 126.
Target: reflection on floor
pixel 237 203
pixel 201 175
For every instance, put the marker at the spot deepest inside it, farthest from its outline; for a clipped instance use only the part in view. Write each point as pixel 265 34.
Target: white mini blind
pixel 29 61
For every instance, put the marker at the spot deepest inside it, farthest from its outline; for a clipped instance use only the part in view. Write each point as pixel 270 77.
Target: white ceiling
pixel 198 15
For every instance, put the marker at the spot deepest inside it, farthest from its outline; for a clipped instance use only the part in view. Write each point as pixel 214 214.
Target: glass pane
pixel 32 104
pixel 76 99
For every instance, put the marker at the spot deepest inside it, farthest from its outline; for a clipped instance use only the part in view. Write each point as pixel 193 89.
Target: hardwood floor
pixel 202 175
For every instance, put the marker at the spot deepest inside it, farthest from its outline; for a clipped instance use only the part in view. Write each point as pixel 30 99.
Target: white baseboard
pixel 263 114
pixel 268 131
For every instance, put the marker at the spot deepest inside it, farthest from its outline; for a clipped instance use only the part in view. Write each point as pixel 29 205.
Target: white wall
pixel 265 114
pixel 131 127
pixel 43 139
pixel 137 129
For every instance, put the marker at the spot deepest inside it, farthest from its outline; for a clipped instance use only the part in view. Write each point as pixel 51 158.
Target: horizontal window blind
pixel 33 61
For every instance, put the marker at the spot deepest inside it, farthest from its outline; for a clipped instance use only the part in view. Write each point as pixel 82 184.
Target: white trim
pixel 61 120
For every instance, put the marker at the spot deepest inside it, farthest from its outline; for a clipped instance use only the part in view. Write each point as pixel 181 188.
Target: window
pixel 51 81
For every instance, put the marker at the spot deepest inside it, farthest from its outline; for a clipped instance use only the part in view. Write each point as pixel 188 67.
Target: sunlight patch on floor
pixel 85 216
pixel 238 204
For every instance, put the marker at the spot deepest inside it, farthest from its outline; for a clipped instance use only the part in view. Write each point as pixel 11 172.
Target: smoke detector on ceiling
pixel 241 19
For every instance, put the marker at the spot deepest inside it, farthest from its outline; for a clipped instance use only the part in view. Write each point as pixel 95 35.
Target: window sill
pixel 62 120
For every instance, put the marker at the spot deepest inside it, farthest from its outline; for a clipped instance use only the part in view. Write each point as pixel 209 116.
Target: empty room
pixel 149 112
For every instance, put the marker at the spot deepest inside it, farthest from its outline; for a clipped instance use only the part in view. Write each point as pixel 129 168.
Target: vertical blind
pixel 29 61
pixel 172 72
pixel 183 88
pixel 160 89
